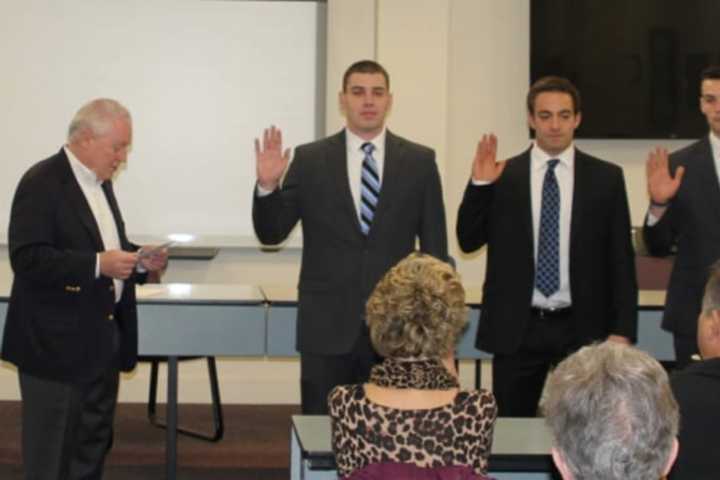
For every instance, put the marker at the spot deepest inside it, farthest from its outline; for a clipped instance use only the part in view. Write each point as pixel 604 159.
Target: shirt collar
pixel 539 157
pixel 715 146
pixel 355 143
pixel 81 171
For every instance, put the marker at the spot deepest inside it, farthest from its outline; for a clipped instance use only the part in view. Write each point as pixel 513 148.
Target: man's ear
pixel 673 455
pixel 578 119
pixel 561 465
pixel 341 102
pixel 715 323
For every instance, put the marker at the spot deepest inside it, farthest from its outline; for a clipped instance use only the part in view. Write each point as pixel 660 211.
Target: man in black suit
pixel 684 215
pixel 71 322
pixel 697 389
pixel 363 196
pixel 560 265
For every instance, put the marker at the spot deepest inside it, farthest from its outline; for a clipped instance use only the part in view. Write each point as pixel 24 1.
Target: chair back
pixel 409 471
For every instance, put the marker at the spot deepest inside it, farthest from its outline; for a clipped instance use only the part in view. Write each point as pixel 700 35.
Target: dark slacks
pixel 67 427
pixel 518 378
pixel 321 373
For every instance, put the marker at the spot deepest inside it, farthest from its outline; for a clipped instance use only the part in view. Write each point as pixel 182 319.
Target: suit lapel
pixel 519 172
pixel 391 176
pixel 78 200
pixel 582 183
pixel 110 196
pixel 336 166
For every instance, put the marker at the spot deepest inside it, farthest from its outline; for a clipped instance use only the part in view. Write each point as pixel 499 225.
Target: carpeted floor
pixel 256 444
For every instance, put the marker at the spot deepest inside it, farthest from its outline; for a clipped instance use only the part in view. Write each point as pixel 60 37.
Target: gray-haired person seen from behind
pixel 612 415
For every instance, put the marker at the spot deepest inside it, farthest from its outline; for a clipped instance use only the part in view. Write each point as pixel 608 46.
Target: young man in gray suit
pixel 364 197
pixel 684 217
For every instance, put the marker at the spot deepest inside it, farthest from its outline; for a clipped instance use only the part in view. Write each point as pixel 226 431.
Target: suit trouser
pixel 67 427
pixel 321 373
pixel 519 377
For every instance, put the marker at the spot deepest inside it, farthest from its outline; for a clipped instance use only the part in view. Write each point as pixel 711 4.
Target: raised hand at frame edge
pixel 662 186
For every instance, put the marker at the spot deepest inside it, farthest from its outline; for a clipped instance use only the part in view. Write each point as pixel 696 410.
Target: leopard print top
pixel 363 432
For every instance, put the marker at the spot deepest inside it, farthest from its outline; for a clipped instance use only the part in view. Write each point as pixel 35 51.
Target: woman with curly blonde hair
pixel 412 419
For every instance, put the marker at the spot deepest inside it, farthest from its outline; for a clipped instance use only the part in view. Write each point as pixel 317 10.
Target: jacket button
pixel 111 317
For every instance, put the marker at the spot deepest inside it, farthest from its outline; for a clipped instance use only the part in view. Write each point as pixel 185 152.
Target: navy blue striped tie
pixel 547 270
pixel 369 188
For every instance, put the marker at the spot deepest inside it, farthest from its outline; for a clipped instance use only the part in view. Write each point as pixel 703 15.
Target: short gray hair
pixel 96 117
pixel 612 413
pixel 711 299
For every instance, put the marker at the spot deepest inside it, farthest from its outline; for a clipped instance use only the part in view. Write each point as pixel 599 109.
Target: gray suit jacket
pixel 340 265
pixel 692 225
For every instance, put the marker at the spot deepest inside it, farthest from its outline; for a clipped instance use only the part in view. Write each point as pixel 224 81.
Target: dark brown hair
pixel 553 84
pixel 365 66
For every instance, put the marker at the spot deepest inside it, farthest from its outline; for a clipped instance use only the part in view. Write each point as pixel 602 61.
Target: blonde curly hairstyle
pixel 417 309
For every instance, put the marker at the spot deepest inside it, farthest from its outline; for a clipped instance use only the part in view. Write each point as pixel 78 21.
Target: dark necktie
pixel 547 271
pixel 369 188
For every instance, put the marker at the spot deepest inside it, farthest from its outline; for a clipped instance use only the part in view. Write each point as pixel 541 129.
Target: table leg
pixel 171 419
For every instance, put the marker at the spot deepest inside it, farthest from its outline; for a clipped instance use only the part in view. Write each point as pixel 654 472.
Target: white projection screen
pixel 201 79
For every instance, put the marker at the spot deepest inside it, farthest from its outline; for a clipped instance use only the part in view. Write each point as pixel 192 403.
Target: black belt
pixel 549 313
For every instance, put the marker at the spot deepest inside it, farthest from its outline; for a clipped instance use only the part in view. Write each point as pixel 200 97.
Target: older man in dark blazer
pixel 560 265
pixel 71 322
pixel 364 197
pixel 684 215
pixel 695 389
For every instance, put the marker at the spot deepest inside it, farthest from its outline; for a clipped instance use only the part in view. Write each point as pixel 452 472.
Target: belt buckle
pixel 546 313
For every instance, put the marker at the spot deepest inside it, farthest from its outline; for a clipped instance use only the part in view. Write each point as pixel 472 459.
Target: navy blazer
pixel 56 324
pixel 340 265
pixel 603 285
pixel 692 225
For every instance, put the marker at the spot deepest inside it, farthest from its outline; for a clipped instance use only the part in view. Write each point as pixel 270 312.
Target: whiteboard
pixel 200 78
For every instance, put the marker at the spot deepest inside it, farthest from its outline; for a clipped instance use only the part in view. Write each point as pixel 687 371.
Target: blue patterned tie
pixel 547 270
pixel 369 188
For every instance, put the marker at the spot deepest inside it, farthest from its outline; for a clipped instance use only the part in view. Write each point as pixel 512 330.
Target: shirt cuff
pixel 97 265
pixel 480 183
pixel 651 220
pixel 262 192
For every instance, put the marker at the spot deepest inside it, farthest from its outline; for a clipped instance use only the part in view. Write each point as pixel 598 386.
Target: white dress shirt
pixel 564 172
pixel 91 187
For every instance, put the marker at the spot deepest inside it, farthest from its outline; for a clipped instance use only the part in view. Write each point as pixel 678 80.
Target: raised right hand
pixel 118 263
pixel 662 186
pixel 271 161
pixel 485 165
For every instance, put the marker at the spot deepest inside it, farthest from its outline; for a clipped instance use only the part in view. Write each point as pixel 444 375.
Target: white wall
pixel 458 68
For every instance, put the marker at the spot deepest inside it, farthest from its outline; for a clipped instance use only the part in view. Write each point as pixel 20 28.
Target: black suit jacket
pixel 692 224
pixel 693 387
pixel 340 265
pixel 56 324
pixel 602 271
